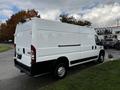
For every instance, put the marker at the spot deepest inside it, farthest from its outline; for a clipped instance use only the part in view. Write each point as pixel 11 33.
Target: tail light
pixel 15 50
pixel 33 54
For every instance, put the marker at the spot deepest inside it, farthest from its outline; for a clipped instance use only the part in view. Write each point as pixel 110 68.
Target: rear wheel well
pixel 60 68
pixel 63 60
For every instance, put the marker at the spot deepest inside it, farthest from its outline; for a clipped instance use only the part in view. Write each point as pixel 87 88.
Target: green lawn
pixel 4 47
pixel 104 76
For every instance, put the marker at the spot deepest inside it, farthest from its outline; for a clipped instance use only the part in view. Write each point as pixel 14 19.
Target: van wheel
pixel 21 71
pixel 60 71
pixel 101 58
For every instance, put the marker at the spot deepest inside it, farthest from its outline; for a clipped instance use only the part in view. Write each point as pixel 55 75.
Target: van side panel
pixel 53 41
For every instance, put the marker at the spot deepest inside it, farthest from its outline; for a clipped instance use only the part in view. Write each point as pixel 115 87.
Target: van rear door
pixel 23 37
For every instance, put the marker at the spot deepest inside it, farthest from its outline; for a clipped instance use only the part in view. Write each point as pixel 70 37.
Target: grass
pixel 104 76
pixel 4 48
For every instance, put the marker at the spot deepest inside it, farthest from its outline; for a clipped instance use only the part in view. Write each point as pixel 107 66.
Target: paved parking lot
pixel 113 52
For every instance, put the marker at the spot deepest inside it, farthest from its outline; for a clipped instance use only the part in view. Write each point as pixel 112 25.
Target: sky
pixel 99 12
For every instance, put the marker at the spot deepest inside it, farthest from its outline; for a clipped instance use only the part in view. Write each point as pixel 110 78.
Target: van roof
pixel 48 24
pixel 42 24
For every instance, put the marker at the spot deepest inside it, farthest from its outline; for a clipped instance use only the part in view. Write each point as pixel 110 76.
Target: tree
pixel 66 19
pixel 7 30
pixel 87 23
pixel 63 18
pixel 3 35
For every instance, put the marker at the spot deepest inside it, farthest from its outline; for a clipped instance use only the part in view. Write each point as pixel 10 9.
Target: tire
pixel 60 71
pixel 21 71
pixel 105 47
pixel 100 58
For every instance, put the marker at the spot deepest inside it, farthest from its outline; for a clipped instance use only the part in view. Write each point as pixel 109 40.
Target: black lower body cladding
pixel 37 68
pixel 42 67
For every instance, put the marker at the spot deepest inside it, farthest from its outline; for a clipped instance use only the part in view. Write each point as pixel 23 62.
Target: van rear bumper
pixel 22 67
pixel 35 69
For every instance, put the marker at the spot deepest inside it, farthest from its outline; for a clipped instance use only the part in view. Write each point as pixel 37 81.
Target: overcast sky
pixel 99 12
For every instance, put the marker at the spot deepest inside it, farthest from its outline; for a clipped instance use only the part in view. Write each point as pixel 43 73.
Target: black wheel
pixel 105 47
pixel 60 71
pixel 101 58
pixel 21 71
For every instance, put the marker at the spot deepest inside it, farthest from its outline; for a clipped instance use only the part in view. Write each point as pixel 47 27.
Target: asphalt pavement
pixel 115 54
pixel 12 79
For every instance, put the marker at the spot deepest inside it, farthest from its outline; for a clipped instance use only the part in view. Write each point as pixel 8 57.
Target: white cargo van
pixel 50 46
